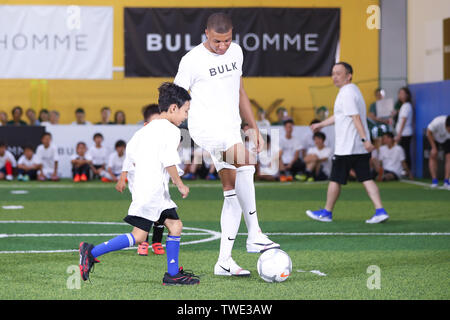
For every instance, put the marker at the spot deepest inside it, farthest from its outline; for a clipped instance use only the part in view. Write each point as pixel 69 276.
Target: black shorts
pixel 444 146
pixel 343 164
pixel 146 225
pixel 393 173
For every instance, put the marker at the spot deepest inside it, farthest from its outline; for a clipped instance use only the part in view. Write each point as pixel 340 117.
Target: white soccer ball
pixel 274 265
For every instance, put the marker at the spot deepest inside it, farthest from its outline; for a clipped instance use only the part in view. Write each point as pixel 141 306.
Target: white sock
pixel 229 223
pixel 245 191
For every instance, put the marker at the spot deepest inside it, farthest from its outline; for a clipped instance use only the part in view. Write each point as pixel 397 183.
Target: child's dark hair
pixel 29 147
pixel 170 93
pixel 389 134
pixel 320 135
pixel 81 143
pixel 2 143
pixel 98 134
pixel 120 143
pixel 285 122
pixel 150 110
pixel 46 134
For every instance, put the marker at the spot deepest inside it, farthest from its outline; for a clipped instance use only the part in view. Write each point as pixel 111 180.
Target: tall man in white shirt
pixel 438 135
pixel 352 145
pixel 212 72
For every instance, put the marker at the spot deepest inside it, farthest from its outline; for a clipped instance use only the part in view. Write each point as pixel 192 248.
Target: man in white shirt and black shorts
pixel 212 72
pixel 438 135
pixel 352 145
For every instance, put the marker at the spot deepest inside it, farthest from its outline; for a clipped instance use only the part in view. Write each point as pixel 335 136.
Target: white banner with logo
pixel 56 42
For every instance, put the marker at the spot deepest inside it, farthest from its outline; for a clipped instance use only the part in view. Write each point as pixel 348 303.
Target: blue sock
pixel 434 181
pixel 379 211
pixel 173 250
pixel 115 244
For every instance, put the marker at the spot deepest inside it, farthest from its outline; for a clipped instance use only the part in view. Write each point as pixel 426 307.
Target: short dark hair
pixel 79 110
pixel 285 122
pixel 98 134
pixel 447 121
pixel 46 134
pixel 29 147
pixel 346 65
pixel 220 22
pixel 170 93
pixel 2 144
pixel 120 143
pixel 17 108
pixel 389 134
pixel 81 143
pixel 150 110
pixel 105 108
pixel 319 135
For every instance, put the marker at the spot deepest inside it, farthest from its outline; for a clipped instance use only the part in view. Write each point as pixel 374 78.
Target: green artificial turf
pixel 414 266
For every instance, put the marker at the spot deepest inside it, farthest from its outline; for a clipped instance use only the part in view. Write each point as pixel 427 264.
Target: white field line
pixel 422 184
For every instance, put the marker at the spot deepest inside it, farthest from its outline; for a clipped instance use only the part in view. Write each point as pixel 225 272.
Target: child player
pixel 151 112
pixel 155 157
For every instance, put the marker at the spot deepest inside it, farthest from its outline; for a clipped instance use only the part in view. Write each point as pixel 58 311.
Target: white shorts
pixel 217 143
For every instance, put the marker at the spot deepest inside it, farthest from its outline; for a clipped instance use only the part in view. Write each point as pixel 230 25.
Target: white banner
pixel 56 42
pixel 66 137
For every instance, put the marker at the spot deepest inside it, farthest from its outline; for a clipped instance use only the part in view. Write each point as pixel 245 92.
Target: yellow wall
pixel 359 46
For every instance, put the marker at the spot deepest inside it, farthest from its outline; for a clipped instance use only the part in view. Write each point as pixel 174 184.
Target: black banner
pixel 277 42
pixel 18 137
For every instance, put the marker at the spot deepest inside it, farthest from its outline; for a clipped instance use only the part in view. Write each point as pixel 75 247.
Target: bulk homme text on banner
pixel 276 41
pixel 56 42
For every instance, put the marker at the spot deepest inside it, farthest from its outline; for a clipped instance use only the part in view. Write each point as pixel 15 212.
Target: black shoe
pixel 181 278
pixel 87 260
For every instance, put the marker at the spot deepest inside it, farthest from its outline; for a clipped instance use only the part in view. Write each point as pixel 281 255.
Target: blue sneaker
pixel 320 215
pixel 188 176
pixel 378 217
pixel 211 176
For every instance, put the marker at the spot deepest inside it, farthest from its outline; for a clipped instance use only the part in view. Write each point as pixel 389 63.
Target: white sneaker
pixel 434 185
pixel 378 218
pixel 229 268
pixel 446 186
pixel 260 243
pixel 9 177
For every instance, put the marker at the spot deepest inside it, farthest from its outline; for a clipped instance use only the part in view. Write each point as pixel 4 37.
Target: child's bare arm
pixel 173 172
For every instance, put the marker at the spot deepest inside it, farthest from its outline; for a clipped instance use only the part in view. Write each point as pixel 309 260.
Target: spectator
pixel 28 165
pixel 202 165
pixel 54 117
pixel 282 115
pixel 17 113
pixel 308 140
pixel 262 122
pixel 290 146
pixel 115 163
pixel 105 115
pixel 81 163
pixel 404 127
pixel 438 134
pixel 377 125
pixel 318 159
pixel 7 163
pixel 31 115
pixel 268 166
pixel 80 117
pixel 391 160
pixel 119 117
pixel 3 118
pixel 47 155
pixel 98 154
pixel 44 117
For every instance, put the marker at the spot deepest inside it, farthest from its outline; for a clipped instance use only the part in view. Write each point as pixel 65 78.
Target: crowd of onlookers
pixel 306 158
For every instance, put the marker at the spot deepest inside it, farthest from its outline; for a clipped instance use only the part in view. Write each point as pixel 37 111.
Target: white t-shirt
pixel 213 81
pixel 128 164
pixel 437 127
pixel 406 111
pixel 28 162
pixel 155 149
pixel 115 162
pixel 76 156
pixel 47 156
pixel 392 158
pixel 324 153
pixel 289 147
pixel 268 161
pixel 349 102
pixel 99 156
pixel 7 156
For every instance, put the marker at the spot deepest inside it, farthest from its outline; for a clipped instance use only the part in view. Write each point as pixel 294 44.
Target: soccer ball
pixel 274 265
